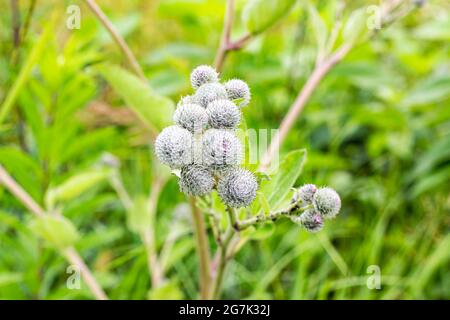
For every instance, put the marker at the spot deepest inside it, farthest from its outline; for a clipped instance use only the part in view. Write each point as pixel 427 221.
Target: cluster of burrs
pixel 318 204
pixel 203 142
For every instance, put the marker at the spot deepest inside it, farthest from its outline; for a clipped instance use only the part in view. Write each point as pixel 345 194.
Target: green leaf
pixel 23 168
pixel 355 26
pixel 438 29
pixel 439 257
pixel 437 154
pixel 431 182
pixel 7 278
pixel 262 200
pixel 281 183
pixel 76 185
pixel 25 72
pixel 167 291
pixel 259 15
pixel 57 230
pixel 153 109
pixel 318 26
pixel 434 89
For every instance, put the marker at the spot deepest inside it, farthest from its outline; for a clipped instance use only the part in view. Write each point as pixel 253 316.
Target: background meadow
pixel 377 129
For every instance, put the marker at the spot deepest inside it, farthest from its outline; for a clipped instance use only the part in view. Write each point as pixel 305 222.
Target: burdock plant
pixel 204 151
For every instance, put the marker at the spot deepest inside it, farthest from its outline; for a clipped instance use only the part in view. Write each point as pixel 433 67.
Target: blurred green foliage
pixel 377 129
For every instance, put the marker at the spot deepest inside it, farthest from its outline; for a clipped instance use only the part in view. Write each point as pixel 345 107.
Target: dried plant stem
pixel 202 250
pixel 117 38
pixel 69 253
pixel 294 111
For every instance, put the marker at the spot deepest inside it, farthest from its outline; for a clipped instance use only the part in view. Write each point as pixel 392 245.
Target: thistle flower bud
pixel 238 188
pixel 189 99
pixel 327 202
pixel 305 193
pixel 196 180
pixel 192 117
pixel 223 114
pixel 173 147
pixel 203 74
pixel 238 90
pixel 210 92
pixel 311 220
pixel 220 149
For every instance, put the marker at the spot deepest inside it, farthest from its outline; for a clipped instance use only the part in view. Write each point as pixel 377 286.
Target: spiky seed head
pixel 189 99
pixel 305 193
pixel 196 180
pixel 311 220
pixel 238 188
pixel 238 91
pixel 223 171
pixel 223 114
pixel 327 202
pixel 210 92
pixel 192 117
pixel 173 146
pixel 203 74
pixel 220 149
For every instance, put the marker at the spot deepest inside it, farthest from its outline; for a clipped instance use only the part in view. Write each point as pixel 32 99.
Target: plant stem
pixel 15 23
pixel 294 111
pixel 226 34
pixel 321 69
pixel 27 22
pixel 74 258
pixel 20 193
pixel 226 44
pixel 154 267
pixel 223 260
pixel 148 235
pixel 117 184
pixel 117 38
pixel 239 43
pixel 233 218
pixel 149 238
pixel 202 250
pixel 69 253
pixel 262 218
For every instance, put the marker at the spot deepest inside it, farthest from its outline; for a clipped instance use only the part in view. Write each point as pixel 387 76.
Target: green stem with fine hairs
pixel 262 218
